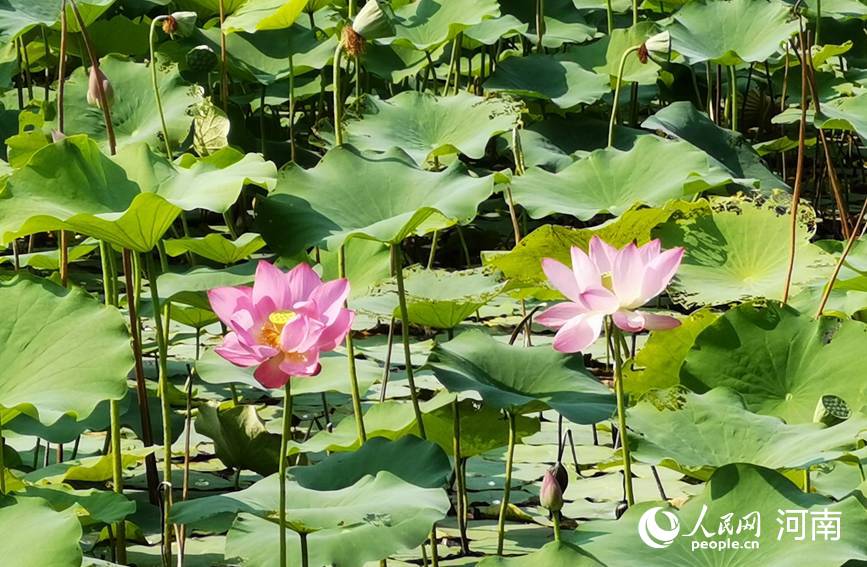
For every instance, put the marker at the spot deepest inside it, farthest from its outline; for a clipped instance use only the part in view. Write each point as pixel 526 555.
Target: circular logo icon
pixel 654 535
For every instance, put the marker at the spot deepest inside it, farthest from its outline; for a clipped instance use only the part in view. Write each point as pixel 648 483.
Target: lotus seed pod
pixel 831 410
pixel 373 21
pixel 201 59
pixel 185 23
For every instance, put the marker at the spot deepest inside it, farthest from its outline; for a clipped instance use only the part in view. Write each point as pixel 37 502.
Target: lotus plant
pixel 608 287
pixel 281 325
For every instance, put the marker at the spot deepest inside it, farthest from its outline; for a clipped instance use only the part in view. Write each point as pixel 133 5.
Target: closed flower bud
pixel 96 78
pixel 551 495
pixel 659 44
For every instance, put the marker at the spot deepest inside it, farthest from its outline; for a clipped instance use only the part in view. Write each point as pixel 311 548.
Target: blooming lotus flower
pixel 282 323
pixel 606 282
pixel 96 76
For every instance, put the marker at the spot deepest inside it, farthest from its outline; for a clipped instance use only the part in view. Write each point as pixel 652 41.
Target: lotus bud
pixel 57 135
pixel 96 78
pixel 831 410
pixel 551 495
pixel 659 44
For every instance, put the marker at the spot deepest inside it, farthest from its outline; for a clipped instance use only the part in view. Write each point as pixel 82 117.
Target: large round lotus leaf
pixel 727 254
pixel 133 112
pixel 429 466
pixel 520 379
pixel 217 247
pixel 45 373
pixel 367 263
pixel 523 264
pixel 734 491
pixel 548 77
pixel 254 15
pixel 426 126
pixel 780 361
pixel 333 377
pixel 489 31
pixel 263 57
pixel 435 298
pixel 382 197
pixel 657 364
pixel 685 429
pixel 366 521
pixel 729 149
pixel 426 24
pixel 554 554
pixel 18 16
pixel 563 23
pixel 613 181
pixel 240 438
pixel 26 521
pixel 730 32
pixel 604 55
pixel 212 182
pixel 99 505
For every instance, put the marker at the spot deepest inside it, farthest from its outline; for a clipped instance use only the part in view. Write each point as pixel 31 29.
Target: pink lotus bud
pixel 551 495
pixel 97 77
pixel 57 135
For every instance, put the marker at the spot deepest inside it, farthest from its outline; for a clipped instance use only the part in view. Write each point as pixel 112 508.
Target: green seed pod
pixel 201 58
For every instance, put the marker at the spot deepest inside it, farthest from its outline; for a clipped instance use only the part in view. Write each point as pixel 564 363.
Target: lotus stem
pixel 162 351
pixel 156 87
pixel 609 12
pixel 555 517
pixel 507 488
pixel 305 559
pixel 451 68
pixel 292 149
pixel 617 86
pixel 100 92
pixel 61 65
pixel 807 486
pixel 616 339
pixel 224 68
pixel 141 387
pixel 634 12
pixel 338 104
pixel 818 22
pixel 733 85
pixel 434 553
pixel 853 237
pixel 540 24
pixel 459 479
pixel 404 329
pixel 350 359
pixel 3 462
pixel 284 440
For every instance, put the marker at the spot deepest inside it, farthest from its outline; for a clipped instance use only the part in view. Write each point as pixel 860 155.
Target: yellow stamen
pixel 272 329
pixel 280 318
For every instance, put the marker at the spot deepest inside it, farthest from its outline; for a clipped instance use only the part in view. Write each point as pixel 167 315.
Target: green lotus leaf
pixel 604 55
pixel 523 264
pixel 384 198
pixel 426 24
pixel 133 112
pixel 731 32
pixel 214 369
pixel 240 438
pixel 730 149
pixel 727 255
pixel 254 15
pixel 44 374
pixel 435 298
pixel 554 554
pixel 844 113
pixel 99 505
pixel 212 182
pixel 217 247
pixel 520 380
pixel 432 126
pixel 613 181
pixel 837 9
pixel 365 521
pixel 50 259
pixel 657 364
pixel 548 77
pixel 19 16
pixel 396 62
pixel 563 23
pixel 32 519
pixel 199 279
pixel 738 490
pixel 489 31
pixel 780 361
pixel 263 57
pixel 688 433
pixel 429 466
pixel 367 262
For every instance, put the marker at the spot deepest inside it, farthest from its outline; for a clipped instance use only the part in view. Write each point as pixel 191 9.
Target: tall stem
pixel 609 12
pixel 156 87
pixel 555 516
pixel 507 488
pixel 459 479
pixel 305 555
pixel 404 329
pixel 338 103
pixel 291 110
pixel 284 440
pixel 3 462
pixel 616 338
pixel 634 12
pixel 451 67
pixel 818 22
pixel 617 86
pixel 350 359
pixel 540 24
pixel 733 85
pixel 224 67
pixel 162 351
pixel 61 65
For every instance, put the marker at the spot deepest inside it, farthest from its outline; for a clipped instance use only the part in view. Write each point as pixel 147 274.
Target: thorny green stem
pixel 617 86
pixel 350 359
pixel 156 87
pixel 284 440
pixel 404 329
pixel 507 488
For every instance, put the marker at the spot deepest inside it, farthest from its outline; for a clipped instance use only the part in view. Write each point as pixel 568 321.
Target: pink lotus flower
pixel 606 282
pixel 283 322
